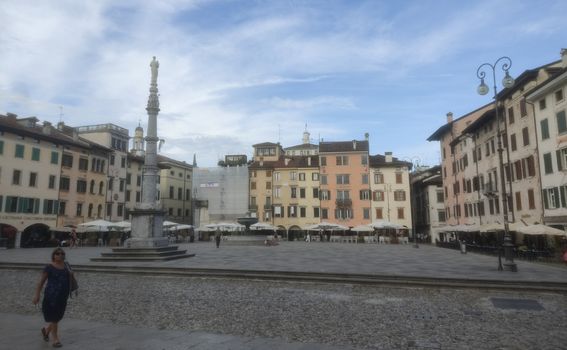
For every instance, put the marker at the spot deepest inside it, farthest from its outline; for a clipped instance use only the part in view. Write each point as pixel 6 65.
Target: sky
pixel 236 73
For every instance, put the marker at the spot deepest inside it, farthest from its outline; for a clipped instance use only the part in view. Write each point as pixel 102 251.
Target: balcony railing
pixel 347 202
pixel 253 207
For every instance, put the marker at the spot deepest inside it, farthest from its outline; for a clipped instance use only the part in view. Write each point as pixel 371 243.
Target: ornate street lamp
pixel 503 63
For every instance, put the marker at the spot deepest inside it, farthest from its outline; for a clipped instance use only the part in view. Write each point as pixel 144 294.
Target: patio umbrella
pixel 181 227
pixel 539 229
pixel 496 226
pixel 169 224
pixel 327 226
pixel 459 228
pixel 262 226
pixel 380 224
pixel 99 225
pixel 121 226
pixel 362 228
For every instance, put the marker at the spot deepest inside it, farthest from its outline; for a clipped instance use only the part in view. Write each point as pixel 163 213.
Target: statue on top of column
pixel 154 65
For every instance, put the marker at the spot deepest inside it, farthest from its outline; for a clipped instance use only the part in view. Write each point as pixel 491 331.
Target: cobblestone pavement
pixel 340 315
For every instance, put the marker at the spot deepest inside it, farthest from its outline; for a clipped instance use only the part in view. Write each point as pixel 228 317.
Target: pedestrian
pixel 55 295
pixel 218 237
pixel 73 238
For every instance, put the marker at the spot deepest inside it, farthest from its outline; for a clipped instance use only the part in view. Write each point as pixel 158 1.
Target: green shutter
pixel 45 206
pixel 1 202
pixel 562 191
pixel 1 147
pixel 561 122
pixel 556 192
pixel 545 205
pixel 36 205
pixel 559 162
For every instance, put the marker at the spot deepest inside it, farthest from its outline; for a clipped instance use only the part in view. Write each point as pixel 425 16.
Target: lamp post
pixel 503 63
pixel 415 162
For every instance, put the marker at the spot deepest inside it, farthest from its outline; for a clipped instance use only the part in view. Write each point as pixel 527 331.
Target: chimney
pixel 47 128
pixel 308 161
pixel 449 117
pixel 388 156
pixel 564 57
pixel 354 144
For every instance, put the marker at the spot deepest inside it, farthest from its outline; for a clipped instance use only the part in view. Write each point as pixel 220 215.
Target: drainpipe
pixel 537 169
pixel 511 200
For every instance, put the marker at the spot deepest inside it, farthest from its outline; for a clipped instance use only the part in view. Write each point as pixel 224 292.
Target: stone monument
pixel 147 241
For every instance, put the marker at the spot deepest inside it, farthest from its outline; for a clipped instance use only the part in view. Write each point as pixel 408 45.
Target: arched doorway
pixel 37 236
pixel 281 232
pixel 8 236
pixel 295 233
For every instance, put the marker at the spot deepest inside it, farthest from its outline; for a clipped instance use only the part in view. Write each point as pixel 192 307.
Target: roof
pixel 11 124
pixel 164 159
pixel 379 161
pixel 541 88
pixel 343 146
pixel 266 144
pixel 481 121
pixel 302 146
pixel 526 76
pixel 436 136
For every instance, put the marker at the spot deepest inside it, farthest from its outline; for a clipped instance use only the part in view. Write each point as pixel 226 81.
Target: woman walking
pixel 55 295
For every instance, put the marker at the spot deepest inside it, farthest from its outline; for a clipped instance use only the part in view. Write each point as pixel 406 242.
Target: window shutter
pixel 545 204
pixel 559 162
pixel 556 192
pixel 563 202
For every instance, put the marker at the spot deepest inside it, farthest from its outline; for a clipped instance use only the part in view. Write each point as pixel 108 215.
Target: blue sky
pixel 236 73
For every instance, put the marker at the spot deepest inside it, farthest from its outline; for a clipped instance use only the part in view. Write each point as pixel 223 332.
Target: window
pixel 315 212
pixel 292 211
pixel 364 160
pixel 441 215
pixel 366 213
pixel 171 192
pixel 558 95
pixel 518 201
pixel 112 159
pixel 379 214
pixel 323 179
pixel 268 173
pixel 512 142
pixel 35 154
pixel 293 175
pixel 365 179
pixel 343 179
pixel 323 161
pixel 301 176
pixel 342 195
pixel 81 186
pixel 315 176
pixel 67 160
pixel 64 183
pixel 364 194
pixel 511 115
pixel 542 104
pixel 302 193
pixel 49 206
pixel 54 157
pixel 277 176
pixel 83 164
pixel 562 159
pixel 269 185
pixel 315 192
pixel 302 212
pixel 52 179
pixel 548 166
pixel 180 194
pixel 400 213
pixel 526 136
pixel 531 199
pixel 16 177
pixel 277 192
pixel 544 129
pixel 187 194
pixel 325 195
pixel 19 151
pixel 378 196
pixel 551 198
pixel 122 165
pixel 79 209
pixel 378 178
pixel 399 195
pixel 109 209
pixel 120 209
pixel 440 197
pixel 561 122
pixel 523 109
pixel 127 196
pixel 253 185
pixel 62 208
pixel 398 178
pixel 343 213
pixel 138 196
pixel 33 180
pixel 324 213
pixel 342 160
pixel 278 211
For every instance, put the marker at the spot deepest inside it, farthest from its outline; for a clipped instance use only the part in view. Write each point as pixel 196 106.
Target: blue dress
pixel 55 294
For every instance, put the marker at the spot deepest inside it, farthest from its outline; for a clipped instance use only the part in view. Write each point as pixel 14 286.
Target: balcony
pixel 347 202
pixel 253 207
